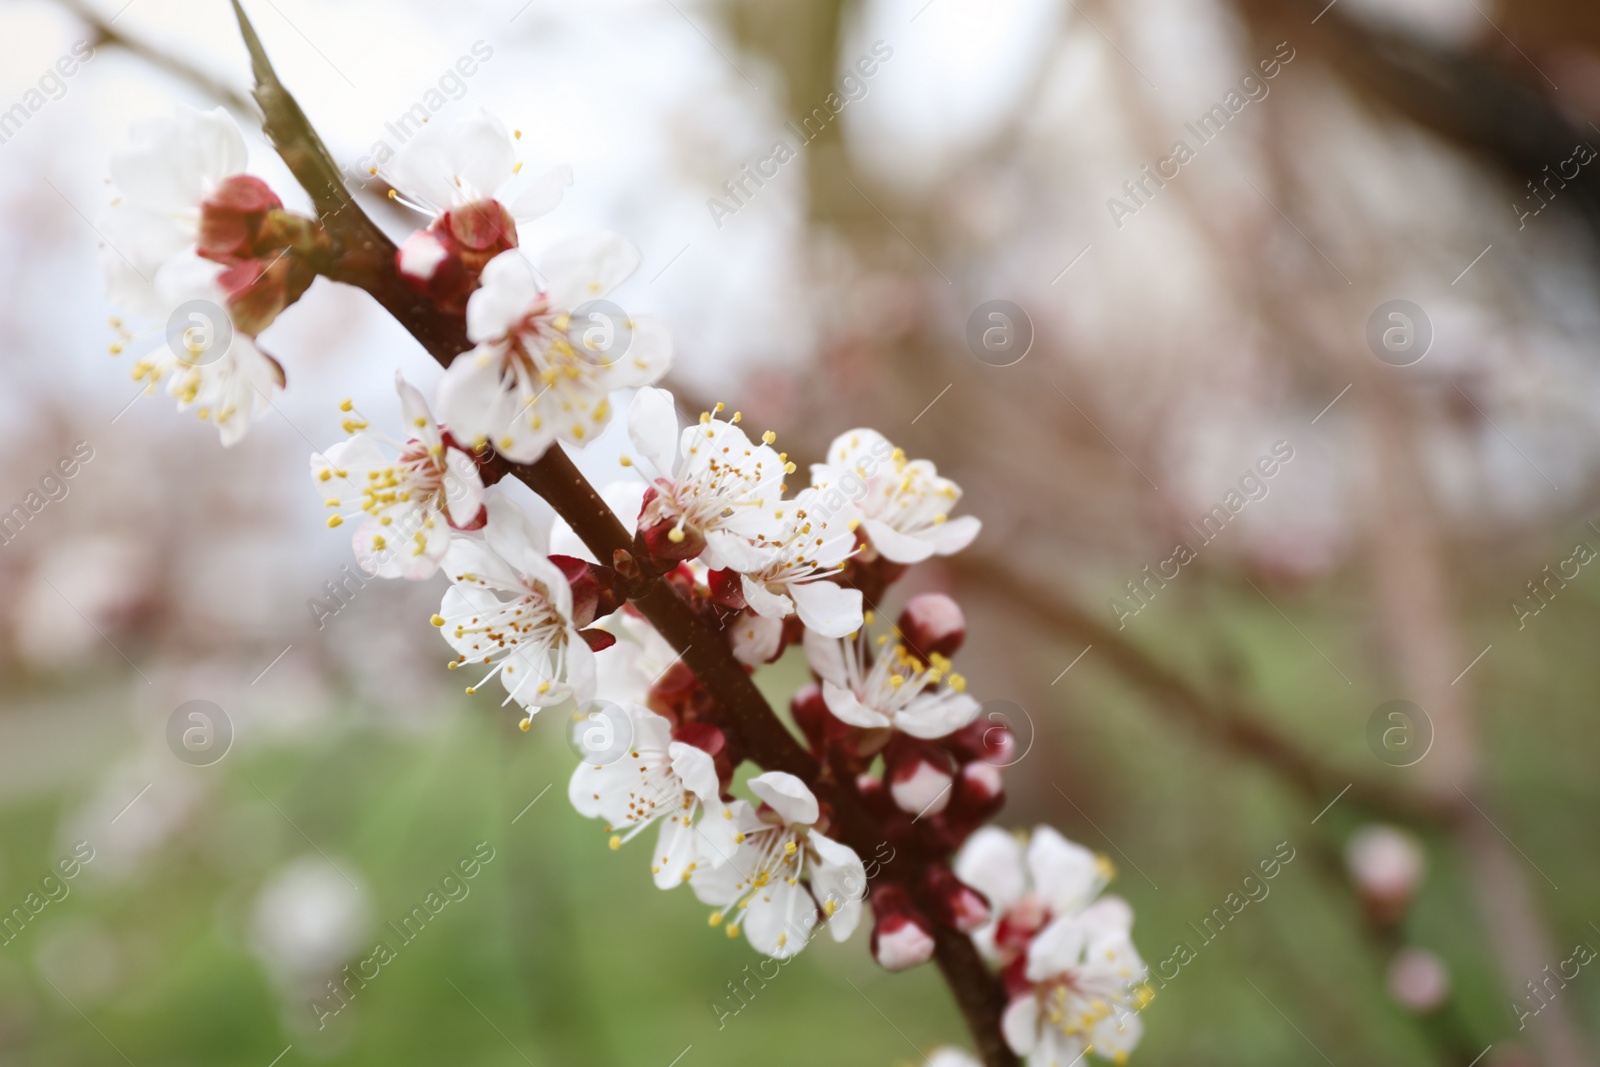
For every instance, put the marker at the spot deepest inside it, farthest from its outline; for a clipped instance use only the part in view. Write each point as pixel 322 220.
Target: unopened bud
pixel 1418 980
pixel 919 777
pixel 1386 865
pixel 960 906
pixel 902 936
pixel 932 624
pixel 232 216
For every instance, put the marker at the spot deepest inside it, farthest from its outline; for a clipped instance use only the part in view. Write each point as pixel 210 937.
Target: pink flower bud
pixel 933 624
pixel 986 740
pixel 1386 865
pixel 919 777
pixel 960 906
pixel 1418 980
pixel 902 936
pixel 232 216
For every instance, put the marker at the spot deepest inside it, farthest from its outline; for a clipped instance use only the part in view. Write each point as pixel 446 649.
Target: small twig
pixel 1240 730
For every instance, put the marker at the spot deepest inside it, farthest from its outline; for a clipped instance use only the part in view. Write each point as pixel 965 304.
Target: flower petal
pixel 828 608
pixel 587 267
pixel 787 795
pixel 846 708
pixel 653 427
pixel 508 289
pixel 542 195
pixel 895 546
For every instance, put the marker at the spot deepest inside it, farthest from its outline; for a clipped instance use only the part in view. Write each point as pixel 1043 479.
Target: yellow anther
pixel 715 919
pixel 733 929
pixel 335 520
pixel 615 842
pixel 526 724
pixel 768 437
pixel 346 404
pixel 675 535
pixel 437 620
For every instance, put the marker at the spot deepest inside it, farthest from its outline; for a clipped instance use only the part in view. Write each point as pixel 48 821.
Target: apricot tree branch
pixel 364 256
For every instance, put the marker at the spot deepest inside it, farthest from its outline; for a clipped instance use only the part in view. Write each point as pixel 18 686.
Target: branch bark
pixel 364 256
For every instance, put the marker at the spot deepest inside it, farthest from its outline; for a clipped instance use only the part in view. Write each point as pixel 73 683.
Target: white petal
pixel 174 163
pixel 516 537
pixel 482 155
pixel 896 546
pixel 991 863
pixel 587 267
pixel 648 358
pixel 473 402
pixel 846 708
pixel 780 919
pixel 951 537
pixel 763 601
pixel 542 196
pixel 509 288
pixel 653 427
pixel 842 878
pixel 1065 873
pixel 731 551
pixel 931 716
pixel 676 849
pixel 463 487
pixel 696 769
pixel 828 608
pixel 755 638
pixel 827 657
pixel 787 795
pixel 1056 949
pixel 1020 1024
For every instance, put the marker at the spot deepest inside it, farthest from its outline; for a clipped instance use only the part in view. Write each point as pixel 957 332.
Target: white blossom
pixel 904 504
pixel 712 482
pixel 408 504
pixel 781 874
pixel 794 577
pixel 512 608
pixel 658 779
pixel 894 687
pixel 537 373
pixel 449 165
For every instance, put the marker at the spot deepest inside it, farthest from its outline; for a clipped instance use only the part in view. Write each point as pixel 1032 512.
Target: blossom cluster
pixel 887 719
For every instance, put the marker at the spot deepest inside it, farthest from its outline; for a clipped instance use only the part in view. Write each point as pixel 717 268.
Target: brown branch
pixel 1241 730
pixel 364 256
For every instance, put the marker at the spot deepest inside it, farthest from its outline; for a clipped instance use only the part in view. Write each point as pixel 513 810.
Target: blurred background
pixel 1171 319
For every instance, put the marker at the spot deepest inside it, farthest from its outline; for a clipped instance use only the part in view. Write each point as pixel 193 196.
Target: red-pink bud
pixel 960 906
pixel 902 936
pixel 232 216
pixel 596 591
pixel 482 226
pixel 727 589
pixel 919 777
pixel 669 545
pixel 932 624
pixel 986 740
